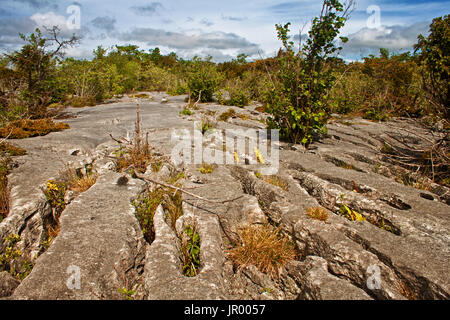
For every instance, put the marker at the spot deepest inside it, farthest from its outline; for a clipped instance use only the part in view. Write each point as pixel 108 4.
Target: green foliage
pixel 36 65
pixel 205 125
pixel 380 87
pixel 203 79
pixel 190 251
pixel 10 253
pixel 239 94
pixel 434 55
pixel 55 192
pixel 128 294
pixel 186 112
pixel 146 205
pixel 11 259
pixel 297 101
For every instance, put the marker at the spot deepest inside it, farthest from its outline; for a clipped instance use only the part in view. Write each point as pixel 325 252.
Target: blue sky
pixel 221 29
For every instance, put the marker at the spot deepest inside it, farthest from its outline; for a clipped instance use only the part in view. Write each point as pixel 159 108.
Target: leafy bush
pixel 190 251
pixel 203 80
pixel 35 64
pixel 434 55
pixel 186 112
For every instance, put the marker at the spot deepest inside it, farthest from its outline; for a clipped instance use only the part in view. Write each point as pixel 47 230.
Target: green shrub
pixel 297 102
pixel 203 80
pixel 186 112
pixel 190 251
pixel 434 57
pixel 239 95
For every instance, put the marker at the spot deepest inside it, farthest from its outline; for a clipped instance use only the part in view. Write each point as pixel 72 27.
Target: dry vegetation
pixel 317 213
pixel 275 181
pixel 146 205
pixel 264 247
pixel 22 129
pixel 7 151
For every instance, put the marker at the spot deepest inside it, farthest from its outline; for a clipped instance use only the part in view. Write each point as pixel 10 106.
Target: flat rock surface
pixel 400 251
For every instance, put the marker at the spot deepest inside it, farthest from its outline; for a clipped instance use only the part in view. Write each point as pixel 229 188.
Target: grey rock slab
pixel 7 284
pixel 100 240
pixel 317 284
pixel 163 276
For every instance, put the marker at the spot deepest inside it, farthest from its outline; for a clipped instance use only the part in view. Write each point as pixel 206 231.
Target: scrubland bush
pixel 203 79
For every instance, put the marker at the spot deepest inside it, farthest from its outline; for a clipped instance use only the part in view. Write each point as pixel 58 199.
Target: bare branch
pixel 183 190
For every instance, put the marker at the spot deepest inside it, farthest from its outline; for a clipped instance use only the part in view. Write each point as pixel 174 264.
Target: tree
pixel 36 64
pixel 300 88
pixel 434 56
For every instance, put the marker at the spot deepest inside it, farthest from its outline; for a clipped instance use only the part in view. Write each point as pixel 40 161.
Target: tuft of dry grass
pixel 84 183
pixel 22 129
pixel 78 181
pixel 137 153
pixel 260 109
pixel 52 232
pixel 264 247
pixel 276 181
pixel 317 213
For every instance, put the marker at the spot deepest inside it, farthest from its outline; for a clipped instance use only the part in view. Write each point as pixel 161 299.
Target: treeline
pixel 300 89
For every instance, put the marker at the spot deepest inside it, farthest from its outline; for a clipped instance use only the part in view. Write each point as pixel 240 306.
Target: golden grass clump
pixel 22 129
pixel 264 247
pixel 84 183
pixel 317 213
pixel 78 181
pixel 276 181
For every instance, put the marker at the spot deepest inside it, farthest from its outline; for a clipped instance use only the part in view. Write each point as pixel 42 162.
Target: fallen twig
pixel 3 140
pixel 183 190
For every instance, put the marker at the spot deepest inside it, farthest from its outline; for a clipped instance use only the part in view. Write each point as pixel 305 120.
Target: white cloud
pixel 189 40
pixel 50 19
pixel 394 38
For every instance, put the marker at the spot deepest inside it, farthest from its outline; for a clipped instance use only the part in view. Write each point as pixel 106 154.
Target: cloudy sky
pixel 221 29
